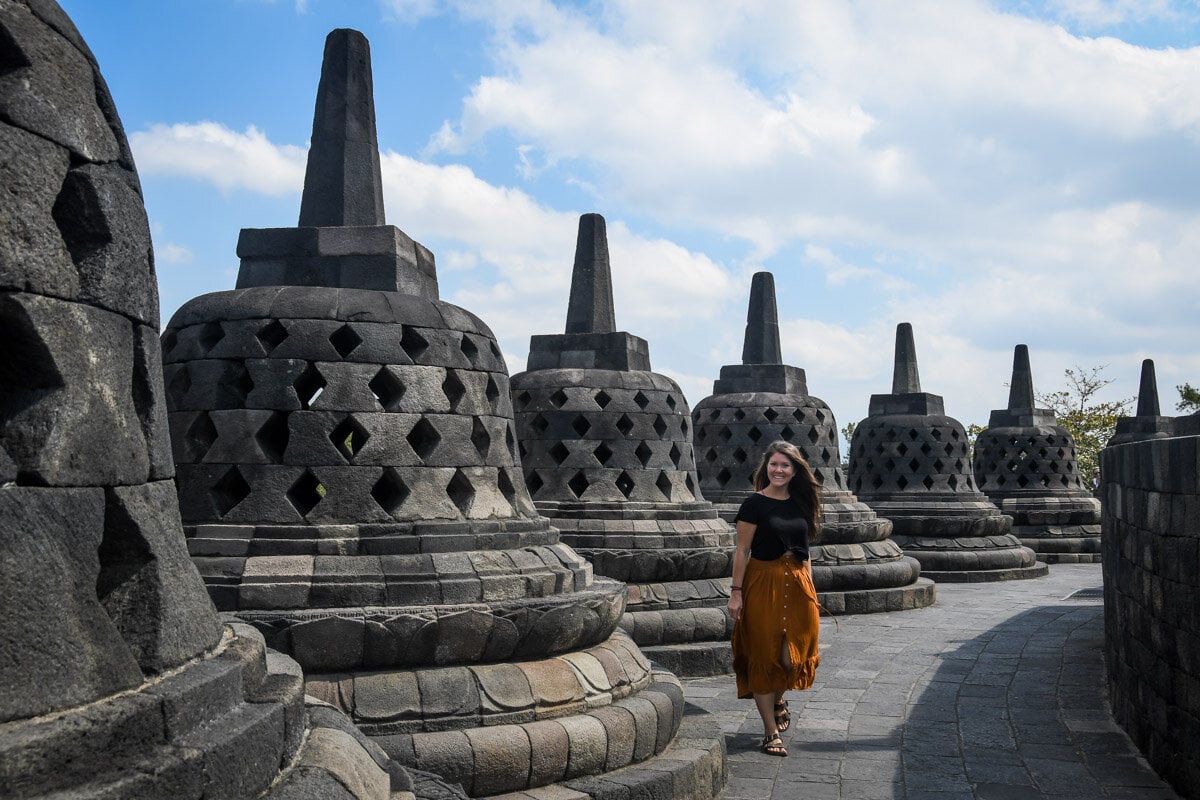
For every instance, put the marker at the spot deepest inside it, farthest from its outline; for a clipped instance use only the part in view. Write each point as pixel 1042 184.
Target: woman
pixel 772 599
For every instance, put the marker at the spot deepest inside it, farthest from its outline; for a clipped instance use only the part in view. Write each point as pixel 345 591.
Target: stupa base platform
pixel 684 626
pixel 921 593
pixel 1078 544
pixel 691 768
pixel 1038 570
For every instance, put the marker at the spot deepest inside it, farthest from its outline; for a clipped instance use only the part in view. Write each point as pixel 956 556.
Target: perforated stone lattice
pixel 1033 460
pixel 918 454
pixel 299 419
pixel 730 440
pixel 609 444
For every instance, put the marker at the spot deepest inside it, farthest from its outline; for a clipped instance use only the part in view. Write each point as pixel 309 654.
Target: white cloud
pixel 172 253
pixel 229 160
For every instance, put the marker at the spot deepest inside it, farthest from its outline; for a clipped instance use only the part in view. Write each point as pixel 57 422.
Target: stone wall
pixel 1151 544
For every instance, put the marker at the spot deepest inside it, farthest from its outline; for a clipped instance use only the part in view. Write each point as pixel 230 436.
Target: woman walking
pixel 773 602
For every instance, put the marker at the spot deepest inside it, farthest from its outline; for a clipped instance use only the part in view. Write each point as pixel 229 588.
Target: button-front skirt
pixel 779 610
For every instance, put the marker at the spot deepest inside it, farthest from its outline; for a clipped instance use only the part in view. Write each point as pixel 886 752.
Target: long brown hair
pixel 803 487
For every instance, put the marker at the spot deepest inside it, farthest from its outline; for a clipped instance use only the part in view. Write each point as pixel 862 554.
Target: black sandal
pixel 773 746
pixel 783 717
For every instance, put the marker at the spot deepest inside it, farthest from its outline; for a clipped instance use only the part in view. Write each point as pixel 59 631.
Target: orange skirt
pixel 779 610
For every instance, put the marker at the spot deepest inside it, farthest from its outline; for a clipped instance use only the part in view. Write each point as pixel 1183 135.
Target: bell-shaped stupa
pixel 856 567
pixel 1025 463
pixel 606 447
pixel 350 485
pixel 117 677
pixel 912 464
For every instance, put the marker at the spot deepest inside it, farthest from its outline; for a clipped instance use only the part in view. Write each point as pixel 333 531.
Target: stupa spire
pixel 1147 404
pixel 1020 389
pixel 590 308
pixel 905 378
pixel 762 323
pixel 342 182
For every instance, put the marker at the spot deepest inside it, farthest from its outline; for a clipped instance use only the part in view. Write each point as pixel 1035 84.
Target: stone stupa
pixel 350 486
pixel 857 568
pixel 606 448
pixel 1025 463
pixel 1148 421
pixel 912 464
pixel 117 677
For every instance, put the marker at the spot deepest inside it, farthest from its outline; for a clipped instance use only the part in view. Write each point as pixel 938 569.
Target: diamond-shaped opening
pixel 271 335
pixel 938 466
pixel 349 437
pixel 559 398
pixel 492 392
pixel 272 436
pixel 480 437
pixel 754 433
pixel 505 484
pixel 181 381
pixel 954 434
pixel 1022 455
pixel 539 423
pixel 524 450
pixel 387 388
pixel 641 400
pixel 936 433
pixel 510 441
pixel 1001 480
pixel 890 465
pixel 902 481
pixel 305 493
pixel 877 481
pixel 814 435
pixel 914 465
pixel 739 415
pixel 710 456
pixel 928 482
pixel 230 490
pixel 309 386
pixel 770 414
pixel 461 492
pixel 820 415
pixel 949 448
pixel 902 449
pixel 240 382
pixel 953 481
pixel 670 402
pixel 1045 481
pixel 723 476
pixel 201 434
pixel 912 434
pixel 787 433
pixel 675 455
pixel 210 335
pixel 625 484
pixel 523 399
pixel 453 389
pixel 660 425
pixel 495 348
pixel 890 435
pixel 559 453
pixel 690 484
pixel 602 453
pixel 664 485
pixel 534 483
pixel 739 455
pixel 1042 452
pixel 390 491
pixel 725 433
pixel 345 340
pixel 581 425
pixel 716 412
pixel 683 426
pixel 413 343
pixel 602 399
pixel 624 424
pixel 1022 481
pixel 643 453
pixel 926 448
pixel 423 438
pixel 826 456
pixel 578 484
pixel 468 348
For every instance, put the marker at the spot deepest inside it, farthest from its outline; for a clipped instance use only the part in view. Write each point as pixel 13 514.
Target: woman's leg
pixel 766 709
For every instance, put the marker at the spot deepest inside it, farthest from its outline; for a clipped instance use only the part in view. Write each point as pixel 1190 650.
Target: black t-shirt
pixel 778 521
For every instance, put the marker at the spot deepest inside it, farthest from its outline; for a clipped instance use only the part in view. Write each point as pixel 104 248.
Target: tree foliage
pixel 1189 399
pixel 1090 421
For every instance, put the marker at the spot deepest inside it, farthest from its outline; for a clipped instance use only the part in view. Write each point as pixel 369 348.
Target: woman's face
pixel 780 469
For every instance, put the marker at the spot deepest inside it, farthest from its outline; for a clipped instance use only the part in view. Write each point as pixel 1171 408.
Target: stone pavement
pixel 994 693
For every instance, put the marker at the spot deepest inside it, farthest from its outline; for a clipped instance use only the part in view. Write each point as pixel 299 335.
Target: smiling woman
pixel 773 601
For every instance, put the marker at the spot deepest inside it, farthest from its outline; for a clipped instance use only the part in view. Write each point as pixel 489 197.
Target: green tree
pixel 1090 422
pixel 1189 399
pixel 848 433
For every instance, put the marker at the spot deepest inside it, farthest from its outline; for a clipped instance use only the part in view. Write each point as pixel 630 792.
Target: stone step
pixel 693 659
pixel 689 768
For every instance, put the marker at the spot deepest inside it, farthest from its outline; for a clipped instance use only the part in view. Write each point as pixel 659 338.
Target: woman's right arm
pixel 741 557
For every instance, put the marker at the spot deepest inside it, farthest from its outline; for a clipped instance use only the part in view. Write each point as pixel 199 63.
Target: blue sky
pixel 993 172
